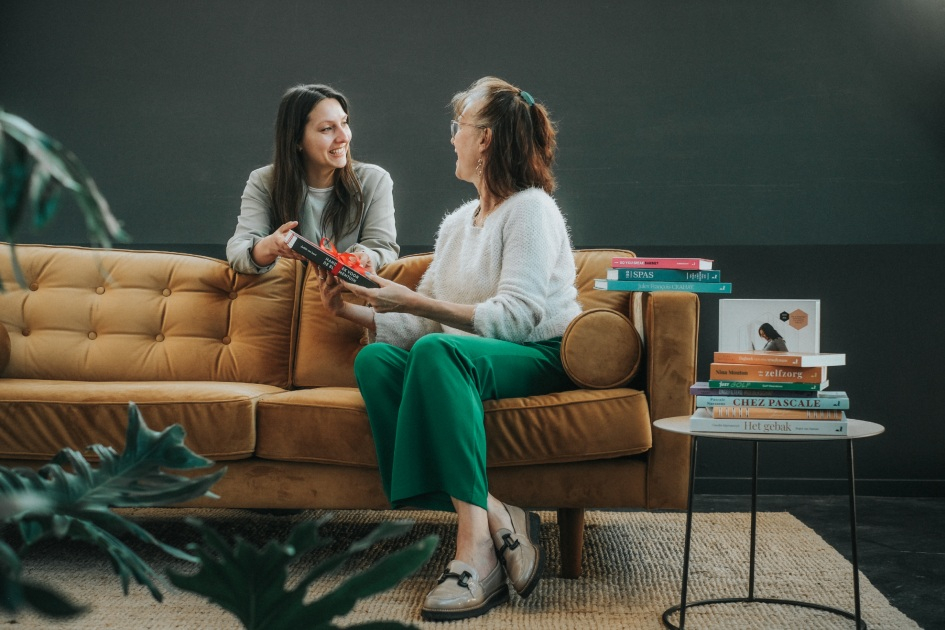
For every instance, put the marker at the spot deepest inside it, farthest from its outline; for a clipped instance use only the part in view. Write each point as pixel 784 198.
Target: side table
pixel 856 429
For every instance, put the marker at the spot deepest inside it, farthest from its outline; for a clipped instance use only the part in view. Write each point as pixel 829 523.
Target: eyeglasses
pixel 454 127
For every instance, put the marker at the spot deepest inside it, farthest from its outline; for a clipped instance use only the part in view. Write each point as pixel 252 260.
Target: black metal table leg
pixel 685 572
pixel 856 562
pixel 859 624
pixel 754 521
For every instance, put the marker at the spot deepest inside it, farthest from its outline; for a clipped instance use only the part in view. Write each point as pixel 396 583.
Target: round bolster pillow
pixel 601 349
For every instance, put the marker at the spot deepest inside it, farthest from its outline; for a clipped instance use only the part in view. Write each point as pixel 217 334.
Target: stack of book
pixel 693 275
pixel 770 392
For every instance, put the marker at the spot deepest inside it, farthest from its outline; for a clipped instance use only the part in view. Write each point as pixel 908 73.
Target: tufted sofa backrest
pixel 115 315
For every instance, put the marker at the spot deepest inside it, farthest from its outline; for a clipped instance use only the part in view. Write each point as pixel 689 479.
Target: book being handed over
pixel 340 264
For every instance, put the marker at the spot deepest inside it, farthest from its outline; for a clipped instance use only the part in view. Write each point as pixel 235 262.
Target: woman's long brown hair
pixel 344 209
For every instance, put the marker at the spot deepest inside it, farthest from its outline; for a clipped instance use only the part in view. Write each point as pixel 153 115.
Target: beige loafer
pixel 520 550
pixel 460 594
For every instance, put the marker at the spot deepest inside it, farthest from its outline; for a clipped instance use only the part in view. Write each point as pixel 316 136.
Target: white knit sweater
pixel 518 270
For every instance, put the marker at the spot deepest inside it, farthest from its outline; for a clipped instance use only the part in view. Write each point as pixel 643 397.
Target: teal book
pixel 666 275
pixel 647 285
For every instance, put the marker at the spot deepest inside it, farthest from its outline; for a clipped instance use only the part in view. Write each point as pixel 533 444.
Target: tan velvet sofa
pixel 261 379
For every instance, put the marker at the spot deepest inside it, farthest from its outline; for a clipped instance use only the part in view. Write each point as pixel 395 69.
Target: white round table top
pixel 856 429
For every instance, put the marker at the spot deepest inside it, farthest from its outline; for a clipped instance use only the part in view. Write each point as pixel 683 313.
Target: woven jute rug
pixel 632 571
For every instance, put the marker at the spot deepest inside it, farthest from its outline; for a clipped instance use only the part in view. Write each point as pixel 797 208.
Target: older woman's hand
pixel 390 297
pixel 330 289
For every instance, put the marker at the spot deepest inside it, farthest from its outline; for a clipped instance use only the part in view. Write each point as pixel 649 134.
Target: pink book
pixel 661 263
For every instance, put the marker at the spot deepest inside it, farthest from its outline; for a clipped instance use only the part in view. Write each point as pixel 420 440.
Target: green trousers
pixel 426 413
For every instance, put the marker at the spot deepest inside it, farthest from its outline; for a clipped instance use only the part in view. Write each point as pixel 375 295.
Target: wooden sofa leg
pixel 571 528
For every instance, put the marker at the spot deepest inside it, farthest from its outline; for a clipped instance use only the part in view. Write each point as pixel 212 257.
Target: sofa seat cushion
pixel 330 425
pixel 38 418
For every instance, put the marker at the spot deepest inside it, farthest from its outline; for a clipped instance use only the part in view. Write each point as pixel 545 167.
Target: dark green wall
pixel 801 144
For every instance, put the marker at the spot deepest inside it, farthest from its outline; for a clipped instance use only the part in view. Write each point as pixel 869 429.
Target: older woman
pixel 314 187
pixel 484 323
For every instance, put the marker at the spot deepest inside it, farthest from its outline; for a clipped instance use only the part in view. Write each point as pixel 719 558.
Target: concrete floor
pixel 901 542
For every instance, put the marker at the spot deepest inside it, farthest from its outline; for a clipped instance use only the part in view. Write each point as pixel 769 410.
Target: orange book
pixel 777 414
pixel 766 373
pixel 793 359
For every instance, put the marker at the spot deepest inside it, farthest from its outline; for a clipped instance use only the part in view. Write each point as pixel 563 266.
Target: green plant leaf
pixel 75 503
pixel 43 195
pixel 33 169
pixel 251 582
pixel 384 574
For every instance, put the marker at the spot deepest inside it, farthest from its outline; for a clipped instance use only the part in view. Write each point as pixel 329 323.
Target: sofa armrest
pixel 4 348
pixel 671 336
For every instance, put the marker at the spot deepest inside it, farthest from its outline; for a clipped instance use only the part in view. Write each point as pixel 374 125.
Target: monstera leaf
pixel 54 502
pixel 34 169
pixel 251 582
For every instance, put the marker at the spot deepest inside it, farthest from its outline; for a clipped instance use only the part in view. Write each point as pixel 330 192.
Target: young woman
pixel 484 323
pixel 315 188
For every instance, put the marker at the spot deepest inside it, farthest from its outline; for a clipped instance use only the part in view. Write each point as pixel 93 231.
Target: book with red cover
pixel 330 260
pixel 660 263
pixel 792 359
pixel 772 373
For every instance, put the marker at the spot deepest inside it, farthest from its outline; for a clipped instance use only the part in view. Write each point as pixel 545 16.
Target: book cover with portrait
pixel 779 325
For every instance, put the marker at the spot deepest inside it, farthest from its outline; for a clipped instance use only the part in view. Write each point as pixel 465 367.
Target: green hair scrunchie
pixel 526 97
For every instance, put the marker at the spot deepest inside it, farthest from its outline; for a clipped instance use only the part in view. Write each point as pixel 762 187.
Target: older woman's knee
pixel 376 357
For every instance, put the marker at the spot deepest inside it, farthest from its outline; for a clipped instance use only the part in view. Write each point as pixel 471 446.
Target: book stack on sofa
pixel 770 392
pixel 692 275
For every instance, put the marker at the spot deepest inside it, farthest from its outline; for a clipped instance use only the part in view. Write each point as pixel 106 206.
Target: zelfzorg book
pixel 324 258
pixel 785 325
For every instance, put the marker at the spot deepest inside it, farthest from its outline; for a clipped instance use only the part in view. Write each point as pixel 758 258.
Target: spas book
pixel 819 400
pixel 701 421
pixel 702 388
pixel 650 286
pixel 792 359
pixel 329 260
pixel 748 325
pixel 772 413
pixel 660 263
pixel 769 385
pixel 665 275
pixel 767 373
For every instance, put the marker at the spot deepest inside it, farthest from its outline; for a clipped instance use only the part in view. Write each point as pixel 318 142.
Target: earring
pixel 479 168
